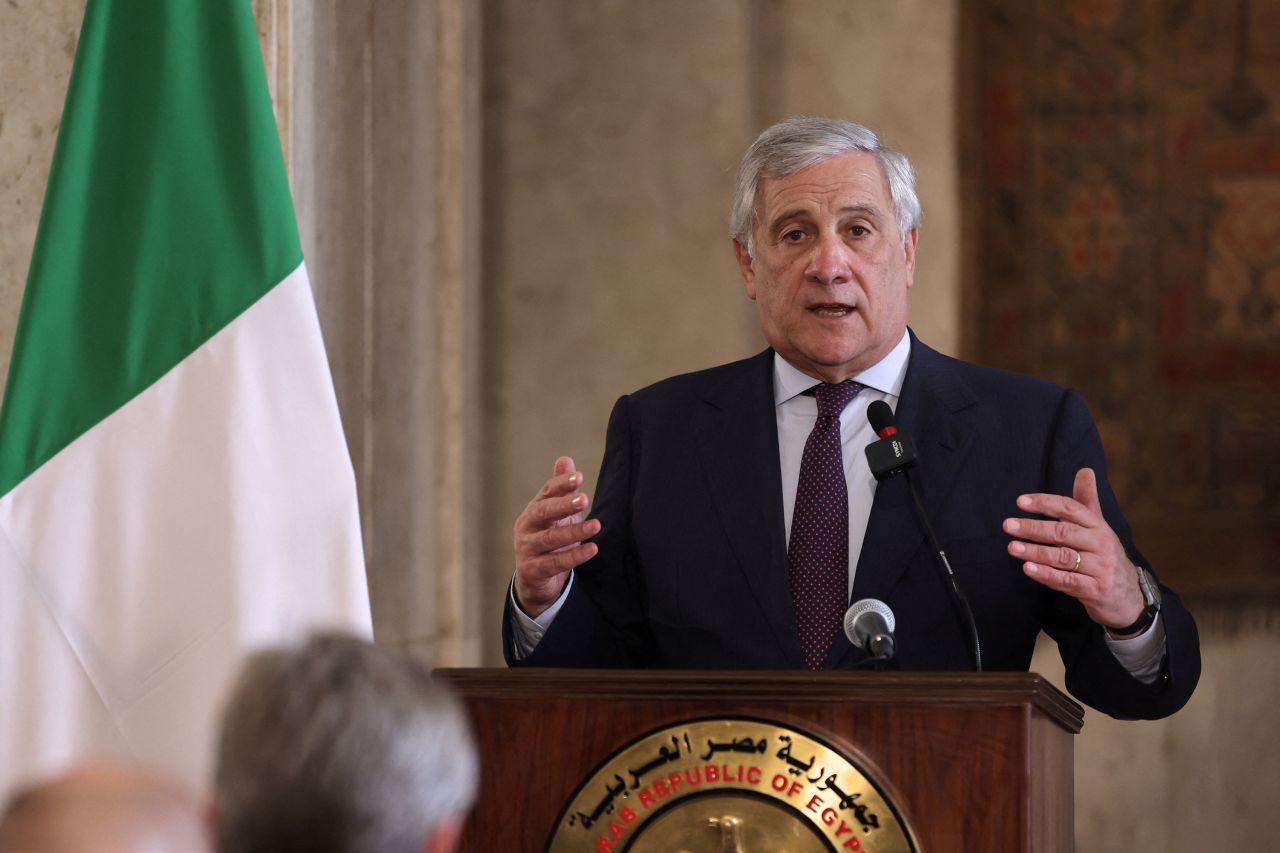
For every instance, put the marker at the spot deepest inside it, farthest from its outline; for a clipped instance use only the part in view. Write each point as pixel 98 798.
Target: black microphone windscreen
pixel 880 415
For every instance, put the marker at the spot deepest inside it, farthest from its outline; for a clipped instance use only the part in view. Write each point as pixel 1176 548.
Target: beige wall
pixel 567 221
pixel 1208 773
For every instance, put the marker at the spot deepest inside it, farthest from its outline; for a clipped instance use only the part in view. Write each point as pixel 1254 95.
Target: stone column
pixel 385 172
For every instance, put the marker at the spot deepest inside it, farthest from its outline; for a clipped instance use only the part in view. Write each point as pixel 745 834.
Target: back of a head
pixel 340 745
pixel 105 807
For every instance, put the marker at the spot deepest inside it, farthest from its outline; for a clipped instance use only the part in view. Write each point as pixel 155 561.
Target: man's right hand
pixel 548 538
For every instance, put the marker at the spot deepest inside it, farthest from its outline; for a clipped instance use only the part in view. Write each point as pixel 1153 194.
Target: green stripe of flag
pixel 167 214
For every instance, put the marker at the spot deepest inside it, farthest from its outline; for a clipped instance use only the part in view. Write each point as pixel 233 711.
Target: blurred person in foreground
pixel 341 746
pixel 105 807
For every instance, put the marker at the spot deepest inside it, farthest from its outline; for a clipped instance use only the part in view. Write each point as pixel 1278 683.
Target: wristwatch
pixel 1151 595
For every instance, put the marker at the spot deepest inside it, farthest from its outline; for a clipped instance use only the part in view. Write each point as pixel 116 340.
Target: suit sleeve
pixel 601 623
pixel 1093 675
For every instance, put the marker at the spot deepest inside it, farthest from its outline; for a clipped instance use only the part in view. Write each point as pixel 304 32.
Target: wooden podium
pixel 974 762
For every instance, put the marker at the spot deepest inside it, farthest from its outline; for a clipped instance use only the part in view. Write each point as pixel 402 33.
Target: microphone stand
pixel 958 595
pixel 895 455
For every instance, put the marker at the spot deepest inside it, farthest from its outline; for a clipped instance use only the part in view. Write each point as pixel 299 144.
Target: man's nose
pixel 829 263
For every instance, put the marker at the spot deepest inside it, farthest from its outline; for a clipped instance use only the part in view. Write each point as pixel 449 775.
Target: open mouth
pixel 831 309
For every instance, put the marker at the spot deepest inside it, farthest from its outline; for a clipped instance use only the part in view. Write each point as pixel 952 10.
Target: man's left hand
pixel 1075 551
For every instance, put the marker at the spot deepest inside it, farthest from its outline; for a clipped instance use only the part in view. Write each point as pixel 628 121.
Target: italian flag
pixel 176 485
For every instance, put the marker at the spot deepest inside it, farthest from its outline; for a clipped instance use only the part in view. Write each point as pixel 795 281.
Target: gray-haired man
pixel 691 559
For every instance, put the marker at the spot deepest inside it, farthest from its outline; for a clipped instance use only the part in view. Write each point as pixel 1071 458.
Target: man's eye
pixel 795 235
pixel 859 230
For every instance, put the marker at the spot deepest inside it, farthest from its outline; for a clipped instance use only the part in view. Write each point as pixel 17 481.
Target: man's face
pixel 830 273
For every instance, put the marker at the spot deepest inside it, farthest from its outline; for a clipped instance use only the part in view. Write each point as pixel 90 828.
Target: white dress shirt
pixel 797 412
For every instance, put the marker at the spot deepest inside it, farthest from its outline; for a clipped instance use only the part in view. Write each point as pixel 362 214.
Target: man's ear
pixel 909 247
pixel 746 267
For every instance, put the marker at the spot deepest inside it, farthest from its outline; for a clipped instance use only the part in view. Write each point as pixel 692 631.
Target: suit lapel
pixel 737 433
pixel 931 411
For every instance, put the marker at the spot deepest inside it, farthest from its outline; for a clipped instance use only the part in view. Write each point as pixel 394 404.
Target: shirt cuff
pixel 526 631
pixel 1142 655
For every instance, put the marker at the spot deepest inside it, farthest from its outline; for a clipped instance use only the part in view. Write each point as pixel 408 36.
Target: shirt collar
pixel 885 376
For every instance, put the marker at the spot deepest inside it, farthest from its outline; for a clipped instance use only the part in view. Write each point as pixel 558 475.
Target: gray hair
pixel 343 746
pixel 803 141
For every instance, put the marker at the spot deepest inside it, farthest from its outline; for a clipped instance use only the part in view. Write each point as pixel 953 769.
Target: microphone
pixel 895 453
pixel 869 625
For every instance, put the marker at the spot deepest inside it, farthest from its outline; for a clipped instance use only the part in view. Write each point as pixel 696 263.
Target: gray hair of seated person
pixel 799 142
pixel 340 745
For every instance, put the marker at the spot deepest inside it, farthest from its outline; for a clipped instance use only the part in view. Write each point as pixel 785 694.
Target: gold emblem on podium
pixel 730 785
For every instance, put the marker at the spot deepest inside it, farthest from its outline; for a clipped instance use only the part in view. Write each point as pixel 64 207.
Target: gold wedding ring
pixel 1079 557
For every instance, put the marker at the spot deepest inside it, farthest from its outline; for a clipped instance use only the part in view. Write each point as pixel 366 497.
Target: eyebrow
pixel 806 213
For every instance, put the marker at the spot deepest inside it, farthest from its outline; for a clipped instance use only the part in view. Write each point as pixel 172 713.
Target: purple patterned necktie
pixel 818 553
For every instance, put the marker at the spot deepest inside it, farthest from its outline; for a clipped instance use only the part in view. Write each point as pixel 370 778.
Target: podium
pixel 969 761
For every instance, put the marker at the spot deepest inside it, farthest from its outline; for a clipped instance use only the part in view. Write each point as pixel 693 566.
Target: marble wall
pixel 385 163
pixel 514 212
pixel 37 45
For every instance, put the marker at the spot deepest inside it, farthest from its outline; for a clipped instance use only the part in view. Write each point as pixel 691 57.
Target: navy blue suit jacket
pixel 692 567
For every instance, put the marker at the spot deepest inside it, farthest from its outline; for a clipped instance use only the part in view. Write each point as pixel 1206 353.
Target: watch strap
pixel 1150 595
pixel 1144 621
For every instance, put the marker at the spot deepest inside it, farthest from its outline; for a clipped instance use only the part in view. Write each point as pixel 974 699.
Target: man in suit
pixel 720 511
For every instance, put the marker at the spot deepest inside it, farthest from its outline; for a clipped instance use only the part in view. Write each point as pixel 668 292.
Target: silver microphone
pixel 869 625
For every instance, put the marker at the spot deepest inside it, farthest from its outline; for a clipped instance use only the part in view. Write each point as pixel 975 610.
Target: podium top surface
pixel 985 688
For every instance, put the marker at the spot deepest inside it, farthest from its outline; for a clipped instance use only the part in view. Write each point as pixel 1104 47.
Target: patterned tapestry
pixel 1128 244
